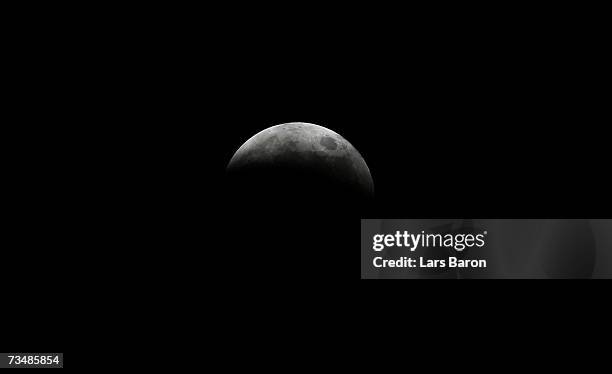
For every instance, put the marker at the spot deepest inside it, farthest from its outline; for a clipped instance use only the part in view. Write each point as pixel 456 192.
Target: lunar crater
pixel 328 143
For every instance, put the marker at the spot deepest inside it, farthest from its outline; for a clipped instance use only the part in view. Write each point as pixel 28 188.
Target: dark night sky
pixel 120 136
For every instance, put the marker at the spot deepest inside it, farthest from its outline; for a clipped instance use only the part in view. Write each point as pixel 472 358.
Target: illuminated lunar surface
pixel 315 156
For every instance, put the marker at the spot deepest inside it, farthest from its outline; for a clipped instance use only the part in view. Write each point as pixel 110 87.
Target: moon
pixel 304 159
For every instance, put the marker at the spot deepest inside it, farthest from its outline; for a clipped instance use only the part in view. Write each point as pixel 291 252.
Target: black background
pixel 450 124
